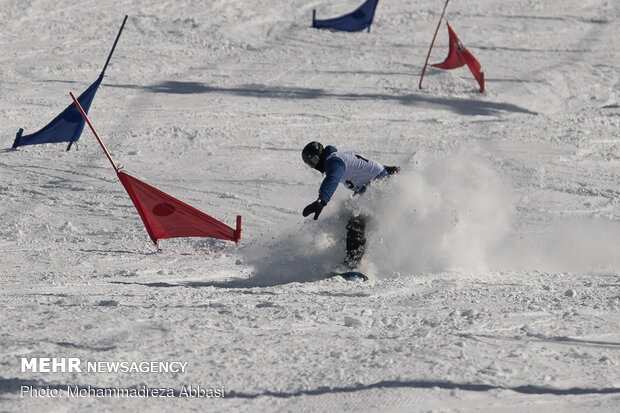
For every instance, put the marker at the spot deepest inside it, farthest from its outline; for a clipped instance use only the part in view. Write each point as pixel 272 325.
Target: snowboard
pixel 350 275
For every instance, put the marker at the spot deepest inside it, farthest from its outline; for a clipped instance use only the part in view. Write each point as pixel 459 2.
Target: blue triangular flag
pixel 355 21
pixel 66 127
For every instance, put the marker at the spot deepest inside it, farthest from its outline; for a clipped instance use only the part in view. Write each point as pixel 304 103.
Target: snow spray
pixel 298 253
pixel 455 212
pixel 444 213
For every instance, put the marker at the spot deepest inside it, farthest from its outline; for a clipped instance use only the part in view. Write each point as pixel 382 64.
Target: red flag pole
pixel 428 56
pixel 94 131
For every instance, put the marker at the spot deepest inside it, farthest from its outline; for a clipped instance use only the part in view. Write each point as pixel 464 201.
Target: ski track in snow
pixel 494 266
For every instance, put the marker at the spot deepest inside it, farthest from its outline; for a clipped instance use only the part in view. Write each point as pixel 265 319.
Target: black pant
pixel 356 240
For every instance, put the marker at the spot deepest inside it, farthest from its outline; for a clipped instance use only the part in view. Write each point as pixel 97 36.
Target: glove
pixel 392 170
pixel 316 207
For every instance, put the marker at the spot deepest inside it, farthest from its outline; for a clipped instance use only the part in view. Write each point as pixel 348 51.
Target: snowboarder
pixel 354 171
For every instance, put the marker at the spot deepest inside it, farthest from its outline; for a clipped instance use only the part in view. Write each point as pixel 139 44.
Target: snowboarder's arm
pixel 334 169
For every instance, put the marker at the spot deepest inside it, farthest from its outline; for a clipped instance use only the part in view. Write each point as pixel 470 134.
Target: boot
pixel 356 241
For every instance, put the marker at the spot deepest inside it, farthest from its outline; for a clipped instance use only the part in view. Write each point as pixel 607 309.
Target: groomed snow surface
pixel 494 257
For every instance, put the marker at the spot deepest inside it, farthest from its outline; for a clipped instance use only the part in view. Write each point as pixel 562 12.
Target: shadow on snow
pixel 463 106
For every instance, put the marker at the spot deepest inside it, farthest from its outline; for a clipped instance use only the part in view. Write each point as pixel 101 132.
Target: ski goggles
pixel 312 161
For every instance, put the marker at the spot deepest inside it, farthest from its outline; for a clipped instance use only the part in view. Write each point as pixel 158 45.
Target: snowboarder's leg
pixel 356 240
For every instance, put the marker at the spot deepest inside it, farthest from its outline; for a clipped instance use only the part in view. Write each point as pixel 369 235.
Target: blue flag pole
pixel 105 66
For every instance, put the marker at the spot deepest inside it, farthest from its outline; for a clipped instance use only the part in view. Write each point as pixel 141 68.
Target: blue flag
pixel 66 127
pixel 355 21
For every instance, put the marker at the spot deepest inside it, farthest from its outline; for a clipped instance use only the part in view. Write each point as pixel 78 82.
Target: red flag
pixel 459 56
pixel 163 215
pixel 167 217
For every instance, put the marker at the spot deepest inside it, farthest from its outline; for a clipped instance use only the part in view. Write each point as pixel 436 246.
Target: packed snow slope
pixel 494 256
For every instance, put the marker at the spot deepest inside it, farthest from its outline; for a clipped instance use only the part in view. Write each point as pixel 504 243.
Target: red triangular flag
pixel 163 215
pixel 167 217
pixel 459 56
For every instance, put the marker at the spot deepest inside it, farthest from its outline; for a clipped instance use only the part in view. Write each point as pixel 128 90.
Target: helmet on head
pixel 311 154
